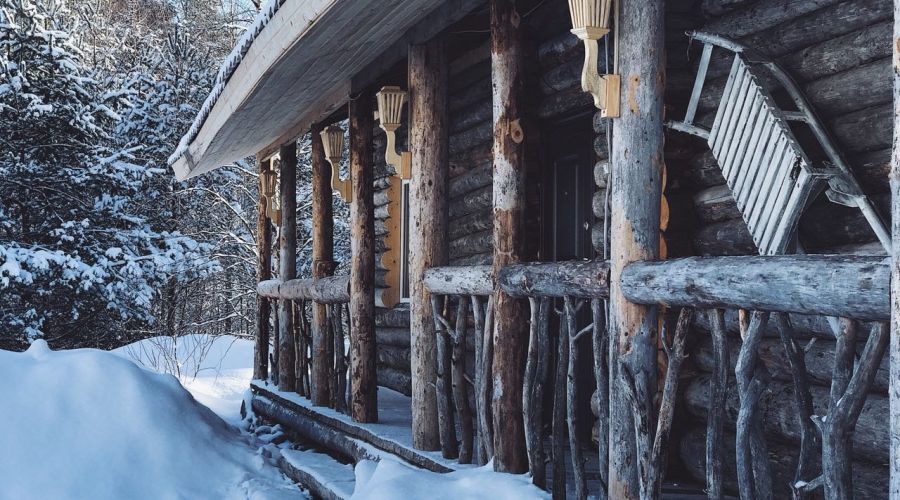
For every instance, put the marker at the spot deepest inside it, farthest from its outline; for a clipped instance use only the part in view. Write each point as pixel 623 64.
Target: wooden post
pixel 323 265
pixel 894 489
pixel 287 241
pixel 363 386
pixel 637 163
pixel 510 333
pixel 428 141
pixel 263 273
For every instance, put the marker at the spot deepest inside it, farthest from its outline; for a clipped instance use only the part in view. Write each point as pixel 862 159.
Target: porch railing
pixel 850 289
pixel 334 292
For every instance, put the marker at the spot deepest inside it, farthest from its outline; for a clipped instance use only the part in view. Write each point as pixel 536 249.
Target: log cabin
pixel 618 245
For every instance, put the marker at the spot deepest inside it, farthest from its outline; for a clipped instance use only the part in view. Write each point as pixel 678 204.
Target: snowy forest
pixel 99 245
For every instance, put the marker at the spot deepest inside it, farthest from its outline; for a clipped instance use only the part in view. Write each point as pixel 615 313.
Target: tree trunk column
pixel 363 395
pixel 287 379
pixel 637 163
pixel 510 333
pixel 894 490
pixel 263 273
pixel 323 265
pixel 428 246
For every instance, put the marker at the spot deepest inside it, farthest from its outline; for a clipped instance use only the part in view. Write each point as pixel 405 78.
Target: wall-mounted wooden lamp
pixel 590 23
pixel 333 142
pixel 269 185
pixel 390 112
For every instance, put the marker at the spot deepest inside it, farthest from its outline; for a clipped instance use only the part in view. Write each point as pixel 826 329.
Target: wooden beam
pixel 287 242
pixel 323 265
pixel 581 279
pixel 263 272
pixel 428 224
pixel 459 280
pixel 327 290
pixel 894 488
pixel 849 286
pixel 637 164
pixel 363 392
pixel 510 334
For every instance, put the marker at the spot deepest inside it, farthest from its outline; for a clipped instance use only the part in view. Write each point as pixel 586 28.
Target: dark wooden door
pixel 568 187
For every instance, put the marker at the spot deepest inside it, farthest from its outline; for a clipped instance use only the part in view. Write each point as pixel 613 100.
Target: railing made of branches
pixel 333 292
pixel 850 289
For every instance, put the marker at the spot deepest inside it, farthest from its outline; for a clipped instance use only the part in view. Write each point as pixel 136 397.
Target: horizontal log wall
pixel 560 56
pixel 839 51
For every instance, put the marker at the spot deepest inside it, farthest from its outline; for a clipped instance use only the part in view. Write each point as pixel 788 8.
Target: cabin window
pixel 404 242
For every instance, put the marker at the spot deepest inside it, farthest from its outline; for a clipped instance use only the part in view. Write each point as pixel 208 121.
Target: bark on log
pixel 869 479
pixel 323 266
pixel 857 287
pixel 533 388
pixel 476 178
pixel 472 244
pixel 327 290
pixel 446 427
pixel 397 317
pixel 894 487
pixel 393 357
pixel 287 241
pixel 476 201
pixel 818 359
pixel 398 380
pixel 600 346
pixel 636 188
pixel 508 78
pixel 263 272
pixel 460 386
pixel 754 476
pixel 392 336
pixel 363 392
pixel 485 374
pixel 716 408
pixel 428 216
pixel 778 412
pixel 339 387
pixel 572 397
pixel 558 425
pixel 471 223
pixel 472 280
pixel 729 237
pixel 581 279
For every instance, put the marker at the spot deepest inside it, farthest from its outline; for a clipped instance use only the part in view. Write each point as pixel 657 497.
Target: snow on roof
pixel 294 67
pixel 266 12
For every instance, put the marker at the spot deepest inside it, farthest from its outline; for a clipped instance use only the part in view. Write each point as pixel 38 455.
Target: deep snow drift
pixel 215 370
pixel 90 424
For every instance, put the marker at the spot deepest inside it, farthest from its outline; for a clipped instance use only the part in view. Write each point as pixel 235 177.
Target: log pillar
pixel 263 273
pixel 363 392
pixel 637 164
pixel 894 489
pixel 323 266
pixel 428 246
pixel 510 331
pixel 287 263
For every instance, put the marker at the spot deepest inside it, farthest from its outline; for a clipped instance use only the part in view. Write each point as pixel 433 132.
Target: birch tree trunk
pixel 895 271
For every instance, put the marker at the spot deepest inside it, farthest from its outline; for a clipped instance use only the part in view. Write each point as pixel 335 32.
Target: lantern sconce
pixel 269 184
pixel 333 142
pixel 390 107
pixel 590 23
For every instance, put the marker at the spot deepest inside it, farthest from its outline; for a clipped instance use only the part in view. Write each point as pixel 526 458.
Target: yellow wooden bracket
pixel 605 89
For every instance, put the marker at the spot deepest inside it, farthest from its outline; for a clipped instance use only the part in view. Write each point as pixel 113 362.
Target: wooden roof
pixel 298 69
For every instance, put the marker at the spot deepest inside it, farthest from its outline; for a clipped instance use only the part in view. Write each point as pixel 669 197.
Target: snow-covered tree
pixel 76 252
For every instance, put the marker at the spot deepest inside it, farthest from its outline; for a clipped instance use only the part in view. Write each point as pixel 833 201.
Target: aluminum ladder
pixel 770 176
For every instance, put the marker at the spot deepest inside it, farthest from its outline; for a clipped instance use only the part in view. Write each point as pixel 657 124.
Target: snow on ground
pixel 90 424
pixel 216 370
pixel 388 479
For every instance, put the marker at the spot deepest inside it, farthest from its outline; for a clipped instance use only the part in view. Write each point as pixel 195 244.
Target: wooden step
pixel 322 475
